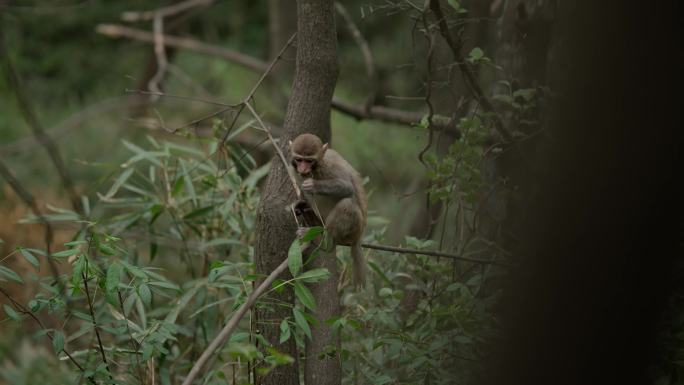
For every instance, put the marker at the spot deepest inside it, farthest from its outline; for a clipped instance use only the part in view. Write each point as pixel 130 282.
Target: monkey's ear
pixel 324 148
pixel 289 142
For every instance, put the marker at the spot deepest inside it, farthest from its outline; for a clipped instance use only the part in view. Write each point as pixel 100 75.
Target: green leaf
pixel 119 182
pixel 304 295
pixel 11 313
pixel 113 277
pixel 199 212
pixel 294 258
pixel 300 320
pixel 66 253
pixel 284 331
pixel 58 341
pixel 454 4
pixel 145 294
pixel 75 243
pixel 312 233
pixel 177 186
pixel 475 54
pixel 29 257
pixel 314 275
pixel 189 186
pixel 4 271
pixel 166 285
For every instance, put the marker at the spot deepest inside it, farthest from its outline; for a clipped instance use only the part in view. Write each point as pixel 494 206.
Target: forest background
pixel 135 141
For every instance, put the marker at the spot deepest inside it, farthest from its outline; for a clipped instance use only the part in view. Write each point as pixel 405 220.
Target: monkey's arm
pixel 338 187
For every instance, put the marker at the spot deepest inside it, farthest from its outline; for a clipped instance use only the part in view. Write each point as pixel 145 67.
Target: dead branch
pixel 42 137
pixel 118 31
pixel 381 113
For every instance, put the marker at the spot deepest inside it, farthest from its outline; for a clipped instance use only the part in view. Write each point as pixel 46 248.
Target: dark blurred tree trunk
pixel 308 111
pixel 600 249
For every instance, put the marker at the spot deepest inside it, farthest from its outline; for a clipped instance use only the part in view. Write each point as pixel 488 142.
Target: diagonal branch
pixel 456 46
pixel 29 114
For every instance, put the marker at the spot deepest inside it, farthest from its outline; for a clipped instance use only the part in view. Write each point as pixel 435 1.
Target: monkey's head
pixel 306 153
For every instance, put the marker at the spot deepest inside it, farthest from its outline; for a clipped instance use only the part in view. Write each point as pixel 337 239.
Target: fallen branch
pixel 434 254
pixel 381 113
pixel 227 330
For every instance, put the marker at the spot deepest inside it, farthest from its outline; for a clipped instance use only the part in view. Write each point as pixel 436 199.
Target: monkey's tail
pixel 359 265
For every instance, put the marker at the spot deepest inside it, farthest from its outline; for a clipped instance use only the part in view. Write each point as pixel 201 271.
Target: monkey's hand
pixel 308 185
pixel 301 231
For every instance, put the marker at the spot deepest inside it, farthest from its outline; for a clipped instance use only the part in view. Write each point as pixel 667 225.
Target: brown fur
pixel 345 218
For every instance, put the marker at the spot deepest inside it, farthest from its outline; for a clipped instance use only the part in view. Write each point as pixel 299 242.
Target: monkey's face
pixel 303 165
pixel 306 152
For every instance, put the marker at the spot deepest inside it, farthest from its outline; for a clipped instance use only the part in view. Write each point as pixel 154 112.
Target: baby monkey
pixel 327 180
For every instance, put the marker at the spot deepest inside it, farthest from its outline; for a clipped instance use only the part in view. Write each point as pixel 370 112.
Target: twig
pixel 380 113
pixel 39 132
pixel 227 330
pixel 24 310
pixel 165 11
pixel 434 254
pixel 84 275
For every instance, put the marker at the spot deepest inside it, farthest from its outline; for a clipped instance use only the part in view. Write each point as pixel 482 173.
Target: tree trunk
pixel 308 111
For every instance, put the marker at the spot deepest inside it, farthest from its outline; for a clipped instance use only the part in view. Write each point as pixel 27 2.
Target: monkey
pixel 335 187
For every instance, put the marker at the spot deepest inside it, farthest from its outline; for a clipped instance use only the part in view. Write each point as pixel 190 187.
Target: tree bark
pixel 308 111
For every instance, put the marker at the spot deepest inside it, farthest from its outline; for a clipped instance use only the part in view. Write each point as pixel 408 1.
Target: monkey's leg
pixel 345 225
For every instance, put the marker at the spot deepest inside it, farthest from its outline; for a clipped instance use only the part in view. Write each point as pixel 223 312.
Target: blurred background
pixel 130 181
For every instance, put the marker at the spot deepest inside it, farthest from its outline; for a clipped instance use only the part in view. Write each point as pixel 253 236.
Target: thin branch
pixel 228 329
pixel 392 115
pixel 380 113
pixel 118 31
pixel 39 132
pixel 434 254
pixel 92 316
pixel 165 11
